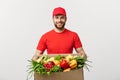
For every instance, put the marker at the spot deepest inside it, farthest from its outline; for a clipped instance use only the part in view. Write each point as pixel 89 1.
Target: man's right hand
pixel 36 55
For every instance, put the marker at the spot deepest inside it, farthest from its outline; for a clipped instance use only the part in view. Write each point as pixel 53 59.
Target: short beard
pixel 60 28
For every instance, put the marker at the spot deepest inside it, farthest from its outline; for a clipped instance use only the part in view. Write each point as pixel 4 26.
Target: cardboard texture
pixel 70 75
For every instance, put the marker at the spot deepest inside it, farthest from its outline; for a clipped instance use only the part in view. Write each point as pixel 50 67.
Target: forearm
pixel 36 55
pixel 81 52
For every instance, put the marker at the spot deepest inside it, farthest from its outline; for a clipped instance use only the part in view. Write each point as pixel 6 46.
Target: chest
pixel 60 41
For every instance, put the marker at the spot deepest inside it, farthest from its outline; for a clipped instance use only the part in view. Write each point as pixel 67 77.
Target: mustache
pixel 60 22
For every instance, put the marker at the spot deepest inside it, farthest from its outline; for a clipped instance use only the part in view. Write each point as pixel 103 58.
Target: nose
pixel 59 19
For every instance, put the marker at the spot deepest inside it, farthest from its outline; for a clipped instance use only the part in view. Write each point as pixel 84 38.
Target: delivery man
pixel 59 40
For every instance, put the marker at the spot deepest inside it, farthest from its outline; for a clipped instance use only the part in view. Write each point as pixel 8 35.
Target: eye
pixel 56 17
pixel 62 17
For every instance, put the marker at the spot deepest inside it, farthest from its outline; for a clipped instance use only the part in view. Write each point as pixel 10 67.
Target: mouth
pixel 60 23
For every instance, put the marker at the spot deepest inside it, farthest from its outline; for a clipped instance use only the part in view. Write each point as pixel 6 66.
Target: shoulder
pixel 71 32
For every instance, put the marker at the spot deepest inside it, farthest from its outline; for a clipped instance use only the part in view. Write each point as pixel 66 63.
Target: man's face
pixel 59 21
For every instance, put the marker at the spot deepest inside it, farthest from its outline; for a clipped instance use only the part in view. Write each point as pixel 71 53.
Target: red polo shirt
pixel 59 43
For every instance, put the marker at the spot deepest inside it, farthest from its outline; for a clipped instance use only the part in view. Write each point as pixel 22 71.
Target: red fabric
pixel 59 43
pixel 59 10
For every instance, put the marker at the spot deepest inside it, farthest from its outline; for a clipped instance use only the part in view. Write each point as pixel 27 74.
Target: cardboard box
pixel 70 75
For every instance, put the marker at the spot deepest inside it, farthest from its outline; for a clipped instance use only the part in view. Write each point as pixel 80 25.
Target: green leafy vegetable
pixel 58 57
pixel 56 69
pixel 80 61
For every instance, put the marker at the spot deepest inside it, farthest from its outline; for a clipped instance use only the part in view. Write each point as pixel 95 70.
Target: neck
pixel 59 30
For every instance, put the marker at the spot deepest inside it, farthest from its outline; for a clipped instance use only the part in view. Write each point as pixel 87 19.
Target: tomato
pixel 49 65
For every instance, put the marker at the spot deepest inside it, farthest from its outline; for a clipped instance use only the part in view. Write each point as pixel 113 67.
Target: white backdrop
pixel 22 22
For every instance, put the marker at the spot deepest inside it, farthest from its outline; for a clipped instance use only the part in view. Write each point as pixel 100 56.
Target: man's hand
pixel 81 52
pixel 36 55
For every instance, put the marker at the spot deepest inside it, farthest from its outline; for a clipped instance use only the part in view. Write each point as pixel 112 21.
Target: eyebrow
pixel 59 15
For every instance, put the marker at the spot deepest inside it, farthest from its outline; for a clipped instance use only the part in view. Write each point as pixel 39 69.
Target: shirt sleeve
pixel 77 41
pixel 41 44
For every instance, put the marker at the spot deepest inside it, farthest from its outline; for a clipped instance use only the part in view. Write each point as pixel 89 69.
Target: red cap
pixel 59 10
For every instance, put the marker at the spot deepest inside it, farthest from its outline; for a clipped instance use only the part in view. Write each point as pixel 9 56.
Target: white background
pixel 22 22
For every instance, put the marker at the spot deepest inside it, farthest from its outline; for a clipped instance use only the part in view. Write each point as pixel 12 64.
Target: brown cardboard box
pixel 70 75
